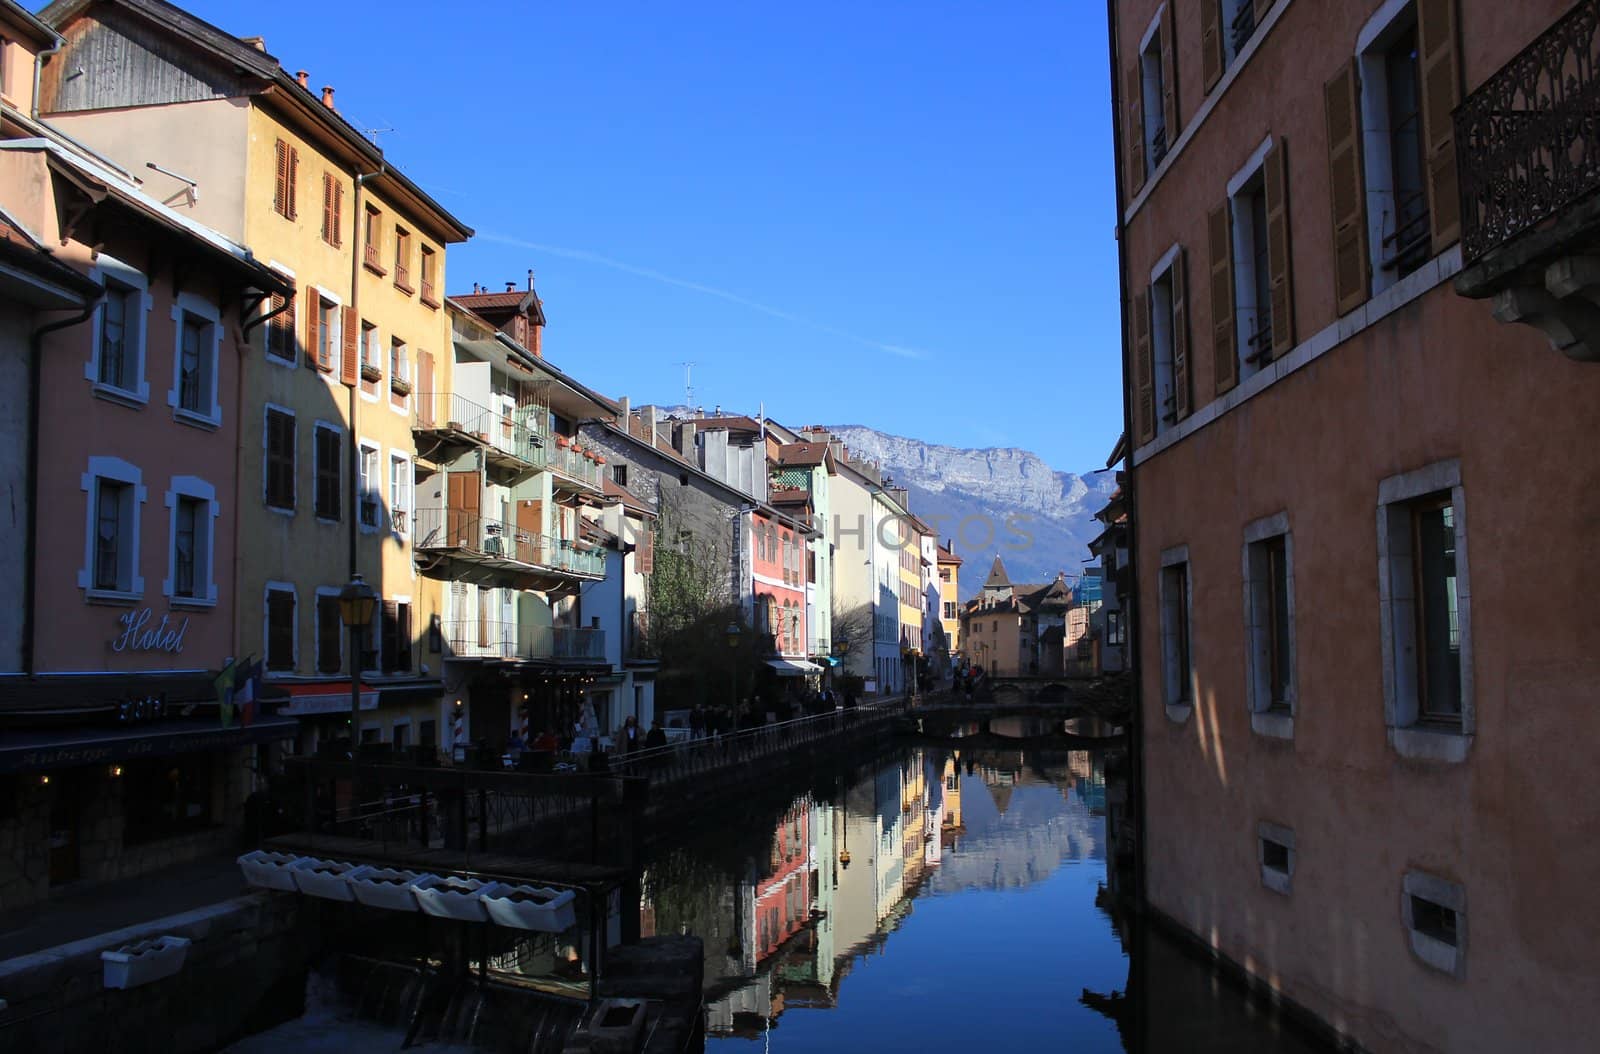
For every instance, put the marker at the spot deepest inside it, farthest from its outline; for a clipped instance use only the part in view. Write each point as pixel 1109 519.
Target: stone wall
pixel 245 970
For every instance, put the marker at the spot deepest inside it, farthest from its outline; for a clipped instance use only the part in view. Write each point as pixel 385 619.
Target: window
pixel 116 366
pixel 1269 625
pixel 371 364
pixel 1114 627
pixel 279 330
pixel 113 534
pixel 1176 660
pixel 399 359
pixel 1153 91
pixel 195 384
pixel 368 481
pixel 327 443
pixel 288 168
pixel 1434 911
pixel 1275 854
pixel 430 272
pixel 280 471
pixel 373 240
pixel 949 609
pixel 399 493
pixel 330 634
pixel 402 260
pixel 944 574
pixel 396 640
pixel 1406 244
pixel 189 579
pixel 327 334
pixel 1239 24
pixel 1252 298
pixel 1152 100
pixel 280 628
pixel 1226 27
pixel 113 491
pixel 619 475
pixel 332 210
pixel 1424 594
pixel 1161 348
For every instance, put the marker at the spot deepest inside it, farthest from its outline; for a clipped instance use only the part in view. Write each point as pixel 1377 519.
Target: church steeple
pixel 998 585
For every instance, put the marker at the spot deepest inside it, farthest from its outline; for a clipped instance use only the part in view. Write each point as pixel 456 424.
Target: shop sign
pixel 139 634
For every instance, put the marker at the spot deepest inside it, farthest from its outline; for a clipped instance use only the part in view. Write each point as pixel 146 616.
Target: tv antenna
pixel 688 387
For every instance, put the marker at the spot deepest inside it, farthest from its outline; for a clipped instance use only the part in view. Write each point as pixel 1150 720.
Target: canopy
pixel 793 667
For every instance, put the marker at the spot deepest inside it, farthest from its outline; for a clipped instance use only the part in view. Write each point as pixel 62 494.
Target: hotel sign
pixel 140 632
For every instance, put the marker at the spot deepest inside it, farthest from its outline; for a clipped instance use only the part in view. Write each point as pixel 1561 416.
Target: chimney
pixel 530 279
pixel 327 96
pixel 511 287
pixel 259 43
pixel 648 416
pixel 304 78
pixel 625 412
pixel 536 343
pixel 685 444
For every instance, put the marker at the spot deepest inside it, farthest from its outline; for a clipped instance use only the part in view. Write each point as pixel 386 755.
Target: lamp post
pixel 733 632
pixel 356 601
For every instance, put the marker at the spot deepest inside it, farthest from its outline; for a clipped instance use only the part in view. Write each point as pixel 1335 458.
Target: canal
pixel 940 900
pixel 927 898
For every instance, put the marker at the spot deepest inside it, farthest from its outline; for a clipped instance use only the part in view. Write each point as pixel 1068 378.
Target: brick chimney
pixel 304 79
pixel 327 96
pixel 624 413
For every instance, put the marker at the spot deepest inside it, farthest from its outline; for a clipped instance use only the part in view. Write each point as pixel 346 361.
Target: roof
pixel 802 454
pixel 99 182
pixel 278 82
pixel 520 300
pixel 14 14
pixel 732 422
pixel 627 498
pixel 947 557
pixel 997 575
pixel 789 496
pixel 22 251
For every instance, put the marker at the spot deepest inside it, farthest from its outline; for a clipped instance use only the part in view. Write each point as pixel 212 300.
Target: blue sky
pixel 892 214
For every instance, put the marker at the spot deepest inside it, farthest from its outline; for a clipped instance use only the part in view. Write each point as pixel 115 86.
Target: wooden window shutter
pixel 389 639
pixel 1169 76
pixel 1211 53
pixel 424 392
pixel 313 322
pixel 1440 59
pixel 327 208
pixel 1352 267
pixel 1143 367
pixel 338 212
pixel 1224 353
pixel 1180 337
pixel 349 346
pixel 645 561
pixel 1135 104
pixel 1280 264
pixel 1261 9
pixel 294 178
pixel 280 190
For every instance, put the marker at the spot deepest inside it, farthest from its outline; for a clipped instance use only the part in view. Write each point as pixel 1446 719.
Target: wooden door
pixel 530 529
pixel 424 392
pixel 464 497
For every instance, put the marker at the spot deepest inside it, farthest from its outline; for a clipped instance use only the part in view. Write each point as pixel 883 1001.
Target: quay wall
pixel 245 970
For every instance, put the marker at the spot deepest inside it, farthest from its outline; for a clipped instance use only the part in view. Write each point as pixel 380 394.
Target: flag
pixel 247 691
pixel 224 685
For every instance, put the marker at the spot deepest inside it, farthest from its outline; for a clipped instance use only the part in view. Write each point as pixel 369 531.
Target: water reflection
pixel 941 899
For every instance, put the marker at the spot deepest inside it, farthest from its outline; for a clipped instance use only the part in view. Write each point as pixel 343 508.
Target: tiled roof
pixel 478 301
pixel 997 575
pixel 734 422
pixel 629 500
pixel 947 557
pixel 802 453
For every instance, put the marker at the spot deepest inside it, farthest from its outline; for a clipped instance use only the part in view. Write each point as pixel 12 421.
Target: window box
pixel 429 295
pixel 268 870
pixel 370 372
pixel 369 260
pixel 142 962
pixel 530 908
pixel 384 887
pixel 327 879
pixel 399 385
pixel 402 282
pixel 451 898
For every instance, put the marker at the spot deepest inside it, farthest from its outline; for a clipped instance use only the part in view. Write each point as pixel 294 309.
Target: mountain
pixel 973 495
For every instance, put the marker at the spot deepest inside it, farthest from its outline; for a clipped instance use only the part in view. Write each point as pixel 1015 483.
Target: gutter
pixel 1130 603
pixel 38 69
pixel 31 482
pixel 357 255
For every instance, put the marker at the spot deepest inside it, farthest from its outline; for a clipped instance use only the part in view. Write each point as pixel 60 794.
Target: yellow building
pixel 221 131
pixel 949 595
pixel 909 583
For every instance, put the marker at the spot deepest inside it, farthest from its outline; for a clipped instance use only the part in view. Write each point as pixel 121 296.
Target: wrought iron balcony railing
pixel 472 638
pixel 455 413
pixel 1528 139
pixel 488 540
pixel 576 465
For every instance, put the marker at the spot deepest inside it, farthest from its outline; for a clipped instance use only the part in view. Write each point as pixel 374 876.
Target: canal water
pixel 930 899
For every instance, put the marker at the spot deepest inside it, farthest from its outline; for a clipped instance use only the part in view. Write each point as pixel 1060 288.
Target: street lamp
pixel 356 601
pixel 732 633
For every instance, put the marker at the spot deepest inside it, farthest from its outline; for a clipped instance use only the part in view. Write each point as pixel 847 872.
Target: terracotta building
pixel 1321 427
pixel 1016 629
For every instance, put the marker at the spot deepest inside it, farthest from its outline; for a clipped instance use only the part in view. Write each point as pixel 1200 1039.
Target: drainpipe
pixel 245 326
pixel 38 68
pixel 1131 605
pixel 357 255
pixel 31 480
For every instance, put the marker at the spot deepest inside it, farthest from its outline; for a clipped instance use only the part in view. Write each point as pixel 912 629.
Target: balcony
pixel 640 648
pixel 1528 157
pixel 513 446
pixel 489 639
pixel 574 469
pixel 496 545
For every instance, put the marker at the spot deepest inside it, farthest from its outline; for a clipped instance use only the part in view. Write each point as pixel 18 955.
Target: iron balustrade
pixel 574 464
pixel 516 435
pixel 480 639
pixel 487 539
pixel 1526 138
pixel 475 638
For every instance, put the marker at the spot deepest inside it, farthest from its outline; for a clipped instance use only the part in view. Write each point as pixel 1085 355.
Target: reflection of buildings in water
pixel 782 900
pixel 1038 830
pixel 951 776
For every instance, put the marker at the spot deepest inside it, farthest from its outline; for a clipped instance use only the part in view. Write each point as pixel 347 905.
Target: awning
pixel 55 749
pixel 793 667
pixel 825 660
pixel 333 698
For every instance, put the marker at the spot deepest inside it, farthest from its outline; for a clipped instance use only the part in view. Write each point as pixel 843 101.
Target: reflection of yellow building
pixel 949 595
pixel 952 793
pixel 325 475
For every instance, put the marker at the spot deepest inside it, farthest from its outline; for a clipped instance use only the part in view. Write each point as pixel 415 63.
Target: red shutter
pixel 1352 267
pixel 1135 152
pixel 646 558
pixel 1440 60
pixel 1280 263
pixel 1211 53
pixel 349 365
pixel 1180 337
pixel 294 178
pixel 338 213
pixel 280 190
pixel 1143 368
pixel 1224 350
pixel 313 310
pixel 327 207
pixel 424 392
pixel 1169 76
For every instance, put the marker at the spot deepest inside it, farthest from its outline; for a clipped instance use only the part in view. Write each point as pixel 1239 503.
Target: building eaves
pixel 20 18
pixel 21 249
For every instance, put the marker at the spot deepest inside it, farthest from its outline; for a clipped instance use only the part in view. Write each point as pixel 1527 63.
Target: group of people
pixel 630 739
